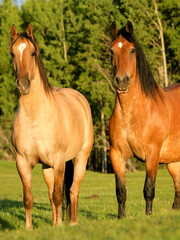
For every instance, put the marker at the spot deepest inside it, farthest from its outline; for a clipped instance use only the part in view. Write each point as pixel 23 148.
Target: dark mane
pixel 148 84
pixel 42 71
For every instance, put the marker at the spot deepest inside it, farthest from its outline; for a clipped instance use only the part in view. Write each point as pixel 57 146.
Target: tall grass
pixel 97 215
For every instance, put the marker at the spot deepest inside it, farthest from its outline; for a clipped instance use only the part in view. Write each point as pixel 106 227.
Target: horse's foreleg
pixel 48 174
pixel 80 162
pixel 25 169
pixel 59 168
pixel 174 170
pixel 149 185
pixel 119 167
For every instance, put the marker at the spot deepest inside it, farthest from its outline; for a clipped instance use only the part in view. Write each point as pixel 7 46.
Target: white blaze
pixel 21 48
pixel 120 44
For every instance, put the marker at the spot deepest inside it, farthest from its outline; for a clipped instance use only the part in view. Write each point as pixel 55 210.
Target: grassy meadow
pixel 97 216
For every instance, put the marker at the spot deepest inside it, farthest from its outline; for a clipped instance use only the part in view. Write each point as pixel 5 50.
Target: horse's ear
pixel 14 32
pixel 129 27
pixel 114 29
pixel 30 31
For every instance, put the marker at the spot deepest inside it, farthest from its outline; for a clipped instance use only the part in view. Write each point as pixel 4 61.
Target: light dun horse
pixel 51 126
pixel 146 119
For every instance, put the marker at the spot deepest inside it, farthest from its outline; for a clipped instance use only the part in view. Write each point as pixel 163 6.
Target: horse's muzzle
pixel 23 85
pixel 122 84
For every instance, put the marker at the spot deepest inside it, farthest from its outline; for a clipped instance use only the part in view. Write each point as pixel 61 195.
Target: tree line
pixel 74 39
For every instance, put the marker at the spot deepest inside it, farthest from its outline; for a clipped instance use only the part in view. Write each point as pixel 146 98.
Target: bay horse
pixel 145 121
pixel 52 126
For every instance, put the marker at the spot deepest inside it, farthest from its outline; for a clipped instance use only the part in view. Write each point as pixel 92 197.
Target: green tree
pixel 170 12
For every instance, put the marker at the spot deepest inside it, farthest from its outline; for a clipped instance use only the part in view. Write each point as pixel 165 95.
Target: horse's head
pixel 123 56
pixel 23 52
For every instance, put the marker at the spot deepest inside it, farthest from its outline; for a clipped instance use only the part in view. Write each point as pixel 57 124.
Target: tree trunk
pixel 63 32
pixel 160 28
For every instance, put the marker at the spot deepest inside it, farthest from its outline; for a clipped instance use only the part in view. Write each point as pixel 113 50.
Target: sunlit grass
pixel 97 215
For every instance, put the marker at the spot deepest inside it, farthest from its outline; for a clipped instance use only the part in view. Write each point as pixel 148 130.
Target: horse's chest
pixel 136 144
pixel 134 136
pixel 34 139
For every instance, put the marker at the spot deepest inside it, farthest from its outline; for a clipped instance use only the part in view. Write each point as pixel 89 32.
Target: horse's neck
pixel 32 103
pixel 127 101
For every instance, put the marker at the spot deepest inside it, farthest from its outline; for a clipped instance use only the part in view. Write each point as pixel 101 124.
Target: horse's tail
pixel 68 180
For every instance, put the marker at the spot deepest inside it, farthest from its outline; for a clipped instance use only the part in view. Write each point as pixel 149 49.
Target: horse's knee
pixel 57 198
pixel 74 194
pixel 149 189
pixel 120 191
pixel 28 200
pixel 149 194
pixel 176 204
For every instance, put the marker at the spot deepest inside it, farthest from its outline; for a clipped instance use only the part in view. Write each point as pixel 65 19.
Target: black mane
pixel 148 84
pixel 42 71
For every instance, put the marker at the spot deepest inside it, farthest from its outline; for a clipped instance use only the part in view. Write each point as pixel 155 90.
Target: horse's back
pixel 172 98
pixel 173 90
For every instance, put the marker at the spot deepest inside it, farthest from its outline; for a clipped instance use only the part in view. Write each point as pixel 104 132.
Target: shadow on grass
pixel 88 214
pixel 12 214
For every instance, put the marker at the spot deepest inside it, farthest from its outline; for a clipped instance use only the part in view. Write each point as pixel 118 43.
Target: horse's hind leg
pixel 174 170
pixel 119 167
pixel 68 178
pixel 25 169
pixel 48 174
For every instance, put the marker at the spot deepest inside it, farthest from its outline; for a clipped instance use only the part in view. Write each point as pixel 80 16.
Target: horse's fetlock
pixel 176 204
pixel 57 199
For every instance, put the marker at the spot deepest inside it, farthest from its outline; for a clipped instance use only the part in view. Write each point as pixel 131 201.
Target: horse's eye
pixel 12 54
pixel 34 54
pixel 133 50
pixel 111 51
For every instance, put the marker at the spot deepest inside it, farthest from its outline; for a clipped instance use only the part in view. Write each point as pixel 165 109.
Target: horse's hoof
pixel 58 224
pixel 73 224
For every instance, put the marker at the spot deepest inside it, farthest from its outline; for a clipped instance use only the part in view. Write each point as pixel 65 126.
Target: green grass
pixel 97 217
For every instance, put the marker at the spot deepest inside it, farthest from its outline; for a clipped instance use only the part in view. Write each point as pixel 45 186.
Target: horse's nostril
pixel 17 82
pixel 117 80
